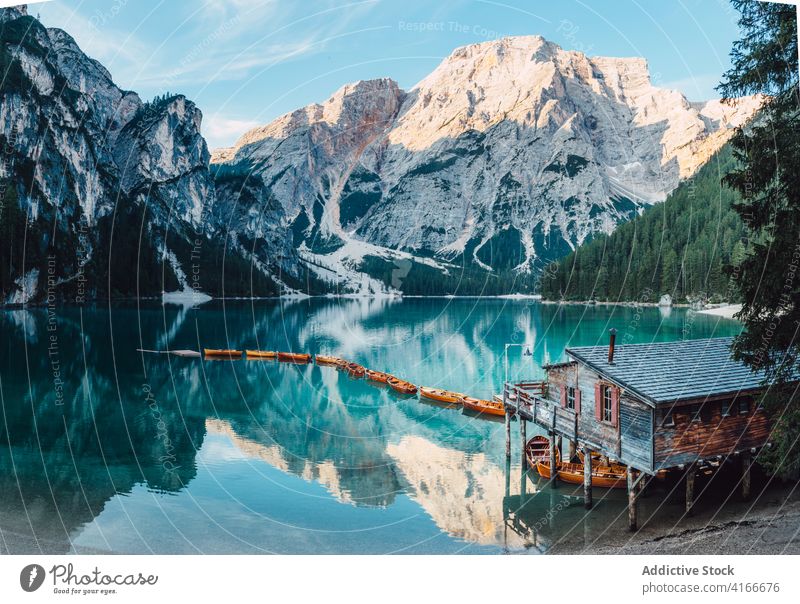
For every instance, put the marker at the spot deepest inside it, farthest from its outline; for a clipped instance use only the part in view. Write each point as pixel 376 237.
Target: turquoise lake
pixel 103 448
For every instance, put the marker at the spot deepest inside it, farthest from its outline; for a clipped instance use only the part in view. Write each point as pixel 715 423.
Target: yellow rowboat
pixel 356 370
pixel 322 359
pixel 572 473
pixel 294 357
pixel 483 406
pixel 378 376
pixel 402 386
pixel 441 396
pixel 220 353
pixel 261 354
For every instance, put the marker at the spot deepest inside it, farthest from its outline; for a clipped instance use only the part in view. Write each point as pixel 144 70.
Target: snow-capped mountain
pixel 508 155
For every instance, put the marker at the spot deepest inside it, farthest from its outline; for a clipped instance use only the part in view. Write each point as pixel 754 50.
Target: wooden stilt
pixel 587 478
pixel 747 462
pixel 553 465
pixel 644 486
pixel 523 437
pixel 523 487
pixel 633 500
pixel 573 450
pixel 508 478
pixel 690 472
pixel 508 434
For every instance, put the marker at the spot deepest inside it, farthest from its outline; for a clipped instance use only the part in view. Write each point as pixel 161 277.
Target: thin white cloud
pixel 221 65
pixel 220 131
pixel 7 3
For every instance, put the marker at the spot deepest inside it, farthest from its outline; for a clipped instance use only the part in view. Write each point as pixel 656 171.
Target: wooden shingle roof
pixel 669 372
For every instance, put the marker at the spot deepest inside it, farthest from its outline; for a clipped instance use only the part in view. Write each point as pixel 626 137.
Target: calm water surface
pixel 106 449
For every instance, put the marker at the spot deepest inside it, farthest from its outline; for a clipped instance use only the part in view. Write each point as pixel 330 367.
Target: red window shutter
pixel 598 402
pixel 577 400
pixel 614 406
pixel 563 395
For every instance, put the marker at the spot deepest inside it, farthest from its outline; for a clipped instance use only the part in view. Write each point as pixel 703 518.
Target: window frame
pixel 571 397
pixel 607 399
pixel 743 407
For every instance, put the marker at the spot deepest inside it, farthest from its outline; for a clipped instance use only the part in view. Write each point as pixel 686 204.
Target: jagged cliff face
pixel 117 193
pixel 507 156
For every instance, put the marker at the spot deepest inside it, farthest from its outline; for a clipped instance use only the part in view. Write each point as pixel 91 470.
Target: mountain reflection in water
pixel 107 449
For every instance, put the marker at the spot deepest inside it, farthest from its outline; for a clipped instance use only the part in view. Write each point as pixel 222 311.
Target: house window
pixel 694 413
pixel 570 397
pixel 608 406
pixel 744 407
pixel 668 420
pixel 727 409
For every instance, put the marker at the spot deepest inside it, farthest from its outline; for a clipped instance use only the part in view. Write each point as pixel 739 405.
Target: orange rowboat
pixel 261 354
pixel 322 359
pixel 378 376
pixel 572 473
pixel 356 370
pixel 294 357
pixel 537 449
pixel 402 386
pixel 441 396
pixel 222 353
pixel 483 406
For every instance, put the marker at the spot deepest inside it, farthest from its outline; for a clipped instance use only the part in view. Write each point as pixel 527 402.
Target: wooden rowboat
pixel 177 353
pixel 537 449
pixel 322 359
pixel 402 386
pixel 294 357
pixel 356 370
pixel 596 457
pixel 572 473
pixel 483 406
pixel 378 376
pixel 261 354
pixel 221 353
pixel 441 396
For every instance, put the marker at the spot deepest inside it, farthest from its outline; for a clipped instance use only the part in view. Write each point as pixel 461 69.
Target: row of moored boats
pixel 437 395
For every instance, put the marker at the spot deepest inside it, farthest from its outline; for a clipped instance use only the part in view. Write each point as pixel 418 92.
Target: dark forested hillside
pixel 678 247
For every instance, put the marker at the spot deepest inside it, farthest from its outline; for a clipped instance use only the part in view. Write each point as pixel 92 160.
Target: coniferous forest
pixel 679 247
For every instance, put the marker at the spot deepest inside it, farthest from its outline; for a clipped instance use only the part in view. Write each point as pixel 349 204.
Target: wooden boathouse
pixel 652 407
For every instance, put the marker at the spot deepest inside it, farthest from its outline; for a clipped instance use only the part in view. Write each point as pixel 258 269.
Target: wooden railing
pixel 531 403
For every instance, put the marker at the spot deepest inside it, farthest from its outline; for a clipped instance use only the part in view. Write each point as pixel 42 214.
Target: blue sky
pixel 246 62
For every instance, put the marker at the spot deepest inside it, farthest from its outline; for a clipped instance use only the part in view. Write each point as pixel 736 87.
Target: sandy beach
pixel 768 524
pixel 728 311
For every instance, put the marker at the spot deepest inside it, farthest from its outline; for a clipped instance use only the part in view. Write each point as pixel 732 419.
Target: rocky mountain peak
pixel 13 12
pixel 508 154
